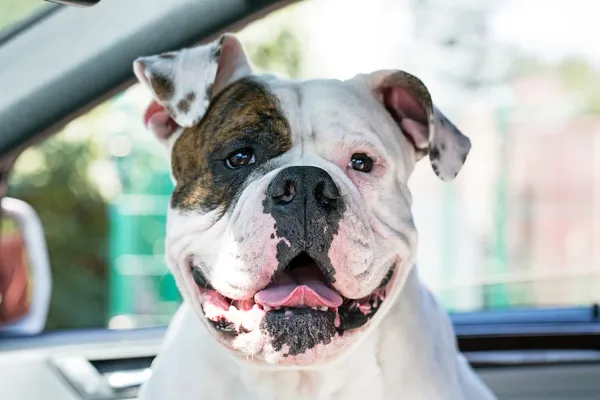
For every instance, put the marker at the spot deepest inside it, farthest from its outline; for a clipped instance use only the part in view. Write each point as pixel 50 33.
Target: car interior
pixel 63 61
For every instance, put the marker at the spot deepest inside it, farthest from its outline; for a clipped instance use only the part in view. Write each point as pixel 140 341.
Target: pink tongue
pixel 302 290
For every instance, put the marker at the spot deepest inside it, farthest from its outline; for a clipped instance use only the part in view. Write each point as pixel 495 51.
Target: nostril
pixel 326 195
pixel 330 190
pixel 287 192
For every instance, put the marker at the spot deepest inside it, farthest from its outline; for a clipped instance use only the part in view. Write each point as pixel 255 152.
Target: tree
pixel 53 178
pixel 281 54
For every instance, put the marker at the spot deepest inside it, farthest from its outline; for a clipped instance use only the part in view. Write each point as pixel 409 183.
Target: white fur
pixel 411 355
pixel 407 350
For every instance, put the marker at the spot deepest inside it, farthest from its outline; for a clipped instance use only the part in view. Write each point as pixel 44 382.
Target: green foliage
pixel 12 11
pixel 8 227
pixel 74 215
pixel 280 54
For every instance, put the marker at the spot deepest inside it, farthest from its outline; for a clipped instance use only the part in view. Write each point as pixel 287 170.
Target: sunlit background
pixel 519 227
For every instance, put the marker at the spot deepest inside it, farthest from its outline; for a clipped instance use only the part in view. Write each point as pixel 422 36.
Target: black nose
pixel 304 185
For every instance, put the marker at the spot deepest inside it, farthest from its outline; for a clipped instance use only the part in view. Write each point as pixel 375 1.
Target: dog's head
pixel 290 229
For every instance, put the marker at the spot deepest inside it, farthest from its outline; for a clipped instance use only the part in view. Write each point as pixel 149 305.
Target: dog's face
pixel 289 229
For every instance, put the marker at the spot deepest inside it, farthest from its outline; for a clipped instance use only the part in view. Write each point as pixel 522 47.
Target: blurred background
pixel 519 227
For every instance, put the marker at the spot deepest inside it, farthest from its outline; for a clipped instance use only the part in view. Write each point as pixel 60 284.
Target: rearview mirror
pixel 25 278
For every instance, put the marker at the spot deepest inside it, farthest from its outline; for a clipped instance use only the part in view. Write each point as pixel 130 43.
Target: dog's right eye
pixel 240 158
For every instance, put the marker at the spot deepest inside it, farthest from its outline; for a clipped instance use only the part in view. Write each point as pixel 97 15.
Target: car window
pixel 519 227
pixel 13 11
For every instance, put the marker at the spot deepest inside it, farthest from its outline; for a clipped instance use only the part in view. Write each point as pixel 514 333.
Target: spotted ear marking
pixel 409 102
pixel 183 82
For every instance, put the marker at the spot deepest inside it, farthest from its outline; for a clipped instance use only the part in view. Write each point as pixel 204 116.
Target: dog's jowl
pixel 291 237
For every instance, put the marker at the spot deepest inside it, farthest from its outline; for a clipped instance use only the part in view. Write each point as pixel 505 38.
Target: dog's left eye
pixel 361 162
pixel 240 158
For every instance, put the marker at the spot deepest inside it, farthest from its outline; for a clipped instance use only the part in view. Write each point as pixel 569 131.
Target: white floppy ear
pixel 409 102
pixel 184 81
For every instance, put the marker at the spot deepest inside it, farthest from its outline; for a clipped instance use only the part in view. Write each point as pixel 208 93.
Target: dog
pixel 290 233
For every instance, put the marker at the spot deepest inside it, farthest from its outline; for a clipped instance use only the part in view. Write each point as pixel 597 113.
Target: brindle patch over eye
pixel 243 112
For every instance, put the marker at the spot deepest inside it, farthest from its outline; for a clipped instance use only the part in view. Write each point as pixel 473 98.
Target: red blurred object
pixel 14 279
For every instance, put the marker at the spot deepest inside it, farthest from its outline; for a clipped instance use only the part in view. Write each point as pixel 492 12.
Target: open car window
pixel 516 230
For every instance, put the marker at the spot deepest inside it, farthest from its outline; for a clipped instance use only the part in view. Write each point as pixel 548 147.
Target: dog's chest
pixel 312 385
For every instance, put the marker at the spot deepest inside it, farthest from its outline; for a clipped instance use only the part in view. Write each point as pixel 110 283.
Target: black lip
pixel 200 278
pixel 352 317
pixel 388 277
pixel 222 325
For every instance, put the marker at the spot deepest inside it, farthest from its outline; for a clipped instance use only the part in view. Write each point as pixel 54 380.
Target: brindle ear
pixel 184 81
pixel 409 102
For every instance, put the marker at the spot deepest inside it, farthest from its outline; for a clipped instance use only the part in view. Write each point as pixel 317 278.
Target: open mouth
pixel 301 290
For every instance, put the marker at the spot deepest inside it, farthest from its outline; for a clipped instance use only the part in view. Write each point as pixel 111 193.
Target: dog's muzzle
pixel 299 307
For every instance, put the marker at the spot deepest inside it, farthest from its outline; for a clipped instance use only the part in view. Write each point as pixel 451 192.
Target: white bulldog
pixel 290 234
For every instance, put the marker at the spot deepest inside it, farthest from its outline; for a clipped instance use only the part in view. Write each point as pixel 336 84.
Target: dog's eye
pixel 240 158
pixel 361 162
